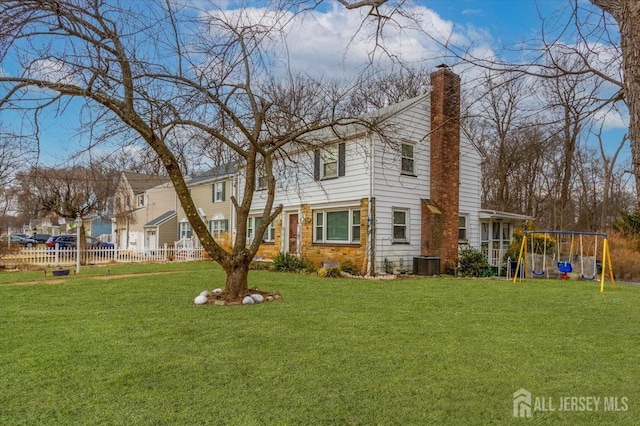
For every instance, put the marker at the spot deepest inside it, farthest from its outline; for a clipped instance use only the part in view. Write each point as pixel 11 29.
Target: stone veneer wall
pixel 318 254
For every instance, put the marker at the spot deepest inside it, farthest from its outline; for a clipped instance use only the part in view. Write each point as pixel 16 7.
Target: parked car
pixel 41 238
pixel 68 241
pixel 23 241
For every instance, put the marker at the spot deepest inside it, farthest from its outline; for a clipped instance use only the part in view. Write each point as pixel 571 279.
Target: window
pixel 140 200
pixel 400 225
pixel 462 228
pixel 407 160
pixel 184 230
pixel 337 226
pixel 218 227
pixel 329 162
pixel 253 223
pixel 262 179
pixel 218 190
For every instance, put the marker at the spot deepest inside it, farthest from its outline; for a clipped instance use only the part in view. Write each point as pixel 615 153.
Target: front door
pixel 293 233
pixel 151 239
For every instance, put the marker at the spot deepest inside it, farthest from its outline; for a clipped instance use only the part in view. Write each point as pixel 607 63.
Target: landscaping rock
pixel 248 300
pixel 217 291
pixel 200 300
pixel 204 293
pixel 258 298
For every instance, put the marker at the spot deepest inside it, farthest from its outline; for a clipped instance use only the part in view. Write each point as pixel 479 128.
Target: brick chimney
pixel 440 212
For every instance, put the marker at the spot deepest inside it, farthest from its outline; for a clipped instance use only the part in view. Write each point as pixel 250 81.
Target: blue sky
pixel 321 42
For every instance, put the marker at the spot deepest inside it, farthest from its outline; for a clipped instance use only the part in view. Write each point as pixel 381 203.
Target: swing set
pixel 573 249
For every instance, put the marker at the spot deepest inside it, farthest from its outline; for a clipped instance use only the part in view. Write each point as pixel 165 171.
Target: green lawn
pixel 419 351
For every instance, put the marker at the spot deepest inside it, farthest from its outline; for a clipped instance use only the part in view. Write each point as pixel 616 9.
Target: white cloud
pixel 613 119
pixel 333 42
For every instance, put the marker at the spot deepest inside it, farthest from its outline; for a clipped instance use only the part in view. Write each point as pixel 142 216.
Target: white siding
pixel 470 177
pixel 296 185
pixel 393 190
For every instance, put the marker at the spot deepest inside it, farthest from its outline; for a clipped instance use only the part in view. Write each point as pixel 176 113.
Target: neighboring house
pixel 158 219
pixel 133 207
pixel 380 204
pixel 211 194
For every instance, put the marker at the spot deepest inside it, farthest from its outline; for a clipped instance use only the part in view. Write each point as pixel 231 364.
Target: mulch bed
pixel 219 299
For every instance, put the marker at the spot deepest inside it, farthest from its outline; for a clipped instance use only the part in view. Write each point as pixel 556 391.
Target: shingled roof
pixel 140 182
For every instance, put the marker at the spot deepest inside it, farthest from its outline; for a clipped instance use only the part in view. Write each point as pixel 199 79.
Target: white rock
pixel 204 293
pixel 200 300
pixel 217 291
pixel 258 298
pixel 248 300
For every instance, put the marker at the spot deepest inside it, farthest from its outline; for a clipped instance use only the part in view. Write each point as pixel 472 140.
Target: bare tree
pixel 68 192
pixel 155 71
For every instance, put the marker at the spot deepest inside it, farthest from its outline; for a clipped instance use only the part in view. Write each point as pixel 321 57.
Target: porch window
pixel 184 230
pixel 217 228
pixel 400 225
pixel 407 167
pixel 337 226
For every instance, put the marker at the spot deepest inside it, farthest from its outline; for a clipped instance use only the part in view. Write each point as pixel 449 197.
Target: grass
pixel 135 350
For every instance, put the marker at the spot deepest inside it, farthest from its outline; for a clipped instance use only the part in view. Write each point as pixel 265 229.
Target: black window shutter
pixel 224 191
pixel 341 159
pixel 316 164
pixel 213 192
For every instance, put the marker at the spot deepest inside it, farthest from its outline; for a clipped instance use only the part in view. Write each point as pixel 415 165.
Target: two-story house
pixel 381 201
pixel 132 209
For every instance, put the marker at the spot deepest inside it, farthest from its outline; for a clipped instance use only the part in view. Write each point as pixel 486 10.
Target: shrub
pixel 349 267
pixel 286 262
pixel 472 263
pixel 333 272
pixel 624 257
pixel 261 266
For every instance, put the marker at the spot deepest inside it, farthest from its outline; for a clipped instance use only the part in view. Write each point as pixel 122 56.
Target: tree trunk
pixel 627 14
pixel 236 284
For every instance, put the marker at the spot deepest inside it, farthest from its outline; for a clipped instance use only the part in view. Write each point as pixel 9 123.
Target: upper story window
pixel 140 200
pixel 263 182
pixel 408 160
pixel 400 226
pixel 337 226
pixel 218 191
pixel 329 162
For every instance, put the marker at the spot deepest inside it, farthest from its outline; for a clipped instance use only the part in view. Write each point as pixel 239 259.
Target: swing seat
pixel 565 268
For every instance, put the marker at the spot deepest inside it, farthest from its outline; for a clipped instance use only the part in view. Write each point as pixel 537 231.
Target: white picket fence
pixel 95 256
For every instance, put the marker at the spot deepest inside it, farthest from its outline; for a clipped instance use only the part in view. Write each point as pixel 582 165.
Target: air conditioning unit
pixel 426 265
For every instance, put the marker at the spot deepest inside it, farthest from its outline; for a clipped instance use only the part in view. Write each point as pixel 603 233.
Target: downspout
pixel 371 267
pixel 232 213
